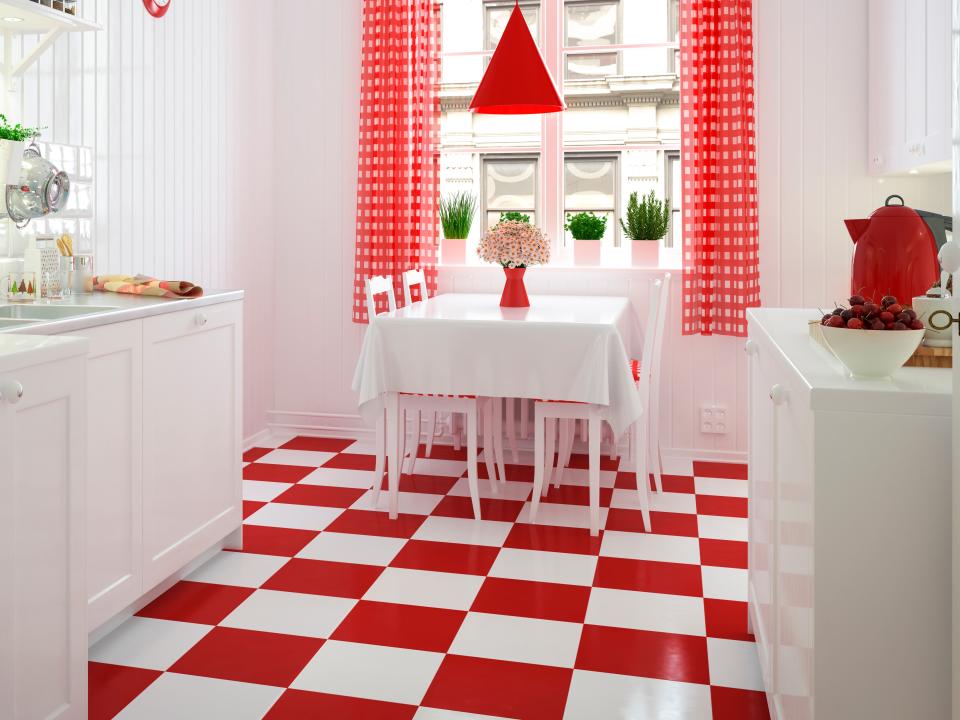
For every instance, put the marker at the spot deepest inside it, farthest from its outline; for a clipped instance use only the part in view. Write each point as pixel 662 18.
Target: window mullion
pixel 551 135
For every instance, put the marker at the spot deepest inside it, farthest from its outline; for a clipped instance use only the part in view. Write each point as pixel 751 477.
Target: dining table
pixel 561 348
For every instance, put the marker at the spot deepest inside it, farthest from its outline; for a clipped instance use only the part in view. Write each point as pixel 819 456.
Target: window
pixel 613 62
pixel 675 196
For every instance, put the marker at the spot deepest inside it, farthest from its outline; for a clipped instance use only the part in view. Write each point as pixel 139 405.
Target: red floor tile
pixel 733 471
pixel 248 656
pixel 553 538
pixel 648 576
pixel 723 553
pixel 321 577
pixel 577 495
pixel 429 484
pixel 490 508
pixel 352 461
pixel 404 626
pixel 317 444
pixel 112 687
pixel 443 452
pixel 250 507
pixel 446 557
pixel 276 473
pixel 726 619
pixel 262 540
pixel 721 505
pixel 664 523
pixel 677 483
pixel 320 495
pixel 581 461
pixel 368 522
pixel 255 453
pixel 733 704
pixel 300 705
pixel 523 598
pixel 196 602
pixel 499 688
pixel 645 654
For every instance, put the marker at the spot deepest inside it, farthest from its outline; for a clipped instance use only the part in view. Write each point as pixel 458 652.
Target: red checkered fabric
pixel 721 276
pixel 398 174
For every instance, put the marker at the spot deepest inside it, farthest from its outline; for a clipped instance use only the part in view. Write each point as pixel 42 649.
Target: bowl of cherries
pixel 873 340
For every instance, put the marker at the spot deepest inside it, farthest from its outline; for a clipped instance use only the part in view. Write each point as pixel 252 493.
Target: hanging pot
pixel 514 291
pixel 42 189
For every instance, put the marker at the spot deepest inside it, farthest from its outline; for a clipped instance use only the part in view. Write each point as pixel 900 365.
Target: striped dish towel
pixel 144 285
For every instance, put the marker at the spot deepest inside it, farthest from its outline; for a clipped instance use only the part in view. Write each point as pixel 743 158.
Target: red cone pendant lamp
pixel 516 81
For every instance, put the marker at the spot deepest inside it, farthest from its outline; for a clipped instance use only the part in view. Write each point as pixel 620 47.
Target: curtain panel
pixel 721 276
pixel 398 168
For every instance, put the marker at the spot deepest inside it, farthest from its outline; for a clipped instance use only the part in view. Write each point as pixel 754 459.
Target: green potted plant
pixel 515 216
pixel 647 222
pixel 587 230
pixel 456 215
pixel 13 141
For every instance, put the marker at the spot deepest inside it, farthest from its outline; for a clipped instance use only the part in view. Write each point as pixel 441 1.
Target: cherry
pixel 855 323
pixel 878 325
pixel 888 300
pixel 904 318
pixel 835 321
pixel 895 308
pixel 826 318
pixel 911 312
pixel 837 311
pixel 847 314
pixel 898 326
pixel 857 300
pixel 857 310
pixel 888 326
pixel 916 324
pixel 887 317
pixel 870 308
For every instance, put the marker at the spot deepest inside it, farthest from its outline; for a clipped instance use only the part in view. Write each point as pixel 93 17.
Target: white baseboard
pixel 255 439
pixel 352 427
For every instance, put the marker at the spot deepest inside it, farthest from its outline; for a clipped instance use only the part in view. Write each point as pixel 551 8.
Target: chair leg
pixel 563 457
pixel 498 437
pixel 584 435
pixel 472 476
pixel 538 465
pixel 381 459
pixel 595 429
pixel 524 418
pixel 455 430
pixel 614 451
pixel 394 458
pixel 416 442
pixel 488 451
pixel 512 429
pixel 639 442
pixel 551 439
pixel 653 445
pixel 431 431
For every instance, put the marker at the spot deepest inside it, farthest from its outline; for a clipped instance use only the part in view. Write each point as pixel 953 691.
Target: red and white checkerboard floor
pixel 334 611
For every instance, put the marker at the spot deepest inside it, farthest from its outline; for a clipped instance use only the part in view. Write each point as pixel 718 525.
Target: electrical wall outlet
pixel 713 419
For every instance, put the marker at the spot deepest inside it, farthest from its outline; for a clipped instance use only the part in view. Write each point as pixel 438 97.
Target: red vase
pixel 514 291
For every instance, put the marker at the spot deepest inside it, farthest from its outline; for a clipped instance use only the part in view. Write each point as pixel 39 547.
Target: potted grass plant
pixel 13 141
pixel 456 216
pixel 647 221
pixel 587 230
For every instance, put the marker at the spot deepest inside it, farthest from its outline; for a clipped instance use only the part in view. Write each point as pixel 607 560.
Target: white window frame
pixel 613 157
pixel 517 157
pixel 675 210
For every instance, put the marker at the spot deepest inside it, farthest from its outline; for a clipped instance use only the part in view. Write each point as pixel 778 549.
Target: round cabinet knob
pixel 750 347
pixel 11 391
pixel 200 320
pixel 778 394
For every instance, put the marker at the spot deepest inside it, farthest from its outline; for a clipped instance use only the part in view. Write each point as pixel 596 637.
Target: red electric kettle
pixel 896 251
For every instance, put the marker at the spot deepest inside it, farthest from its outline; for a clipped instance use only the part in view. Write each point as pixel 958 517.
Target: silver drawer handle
pixel 778 394
pixel 200 320
pixel 11 391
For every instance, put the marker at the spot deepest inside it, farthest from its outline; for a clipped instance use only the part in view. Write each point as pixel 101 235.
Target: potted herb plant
pixel 647 222
pixel 13 140
pixel 587 230
pixel 456 216
pixel 515 216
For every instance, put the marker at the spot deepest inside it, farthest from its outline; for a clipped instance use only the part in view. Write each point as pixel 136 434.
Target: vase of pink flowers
pixel 515 245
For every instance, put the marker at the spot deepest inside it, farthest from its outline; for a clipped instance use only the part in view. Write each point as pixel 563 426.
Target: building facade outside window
pixel 614 62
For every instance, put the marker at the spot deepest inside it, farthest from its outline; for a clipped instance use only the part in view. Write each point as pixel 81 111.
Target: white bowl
pixel 872 354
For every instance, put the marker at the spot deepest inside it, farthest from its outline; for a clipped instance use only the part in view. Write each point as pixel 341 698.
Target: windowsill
pixel 568 268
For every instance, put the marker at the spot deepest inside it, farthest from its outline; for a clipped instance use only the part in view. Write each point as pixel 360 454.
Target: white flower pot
pixel 586 252
pixel 11 158
pixel 645 253
pixel 453 252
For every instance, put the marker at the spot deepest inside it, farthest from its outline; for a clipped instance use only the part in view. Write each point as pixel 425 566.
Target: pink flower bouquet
pixel 514 244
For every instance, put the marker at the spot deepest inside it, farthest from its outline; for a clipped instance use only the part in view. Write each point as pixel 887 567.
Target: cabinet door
pixel 114 466
pixel 936 146
pixel 43 634
pixel 192 404
pixel 887 86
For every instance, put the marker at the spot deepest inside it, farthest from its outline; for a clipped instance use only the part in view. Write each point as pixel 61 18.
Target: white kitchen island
pixel 850 536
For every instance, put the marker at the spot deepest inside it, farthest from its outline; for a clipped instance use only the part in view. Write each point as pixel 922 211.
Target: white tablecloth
pixel 560 348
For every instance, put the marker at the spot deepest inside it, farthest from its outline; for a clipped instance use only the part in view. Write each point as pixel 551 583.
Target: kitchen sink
pixel 48 312
pixel 4 324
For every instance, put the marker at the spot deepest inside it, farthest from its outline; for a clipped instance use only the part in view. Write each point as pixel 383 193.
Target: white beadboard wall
pixel 171 107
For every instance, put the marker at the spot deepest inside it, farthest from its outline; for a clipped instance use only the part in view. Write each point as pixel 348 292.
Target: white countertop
pixel 911 390
pixel 17 350
pixel 119 307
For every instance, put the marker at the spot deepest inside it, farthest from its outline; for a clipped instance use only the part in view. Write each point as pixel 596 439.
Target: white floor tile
pixel 290 613
pixel 721 583
pixel 299 517
pixel 346 547
pixel 190 697
pixel 717 527
pixel 734 663
pixel 376 672
pixel 425 713
pixel 336 477
pixel 649 546
pixel 581 477
pixel 305 458
pixel 543 566
pixel 237 568
pixel 444 468
pixel 148 643
pixel 518 639
pixel 646 611
pixel 363 447
pixel 661 502
pixel 262 491
pixel 463 530
pixel 677 466
pixel 561 515
pixel 718 486
pixel 410 503
pixel 425 588
pixel 507 491
pixel 596 695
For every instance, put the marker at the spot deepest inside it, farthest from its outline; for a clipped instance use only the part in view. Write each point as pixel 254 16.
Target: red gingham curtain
pixel 398 173
pixel 721 276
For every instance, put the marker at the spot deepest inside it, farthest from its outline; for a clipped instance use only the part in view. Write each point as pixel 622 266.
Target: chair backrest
pixel 649 338
pixel 412 278
pixel 657 359
pixel 378 285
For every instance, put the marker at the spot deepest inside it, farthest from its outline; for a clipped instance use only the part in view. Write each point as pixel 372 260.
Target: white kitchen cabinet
pixel 909 85
pixel 849 539
pixel 43 639
pixel 192 410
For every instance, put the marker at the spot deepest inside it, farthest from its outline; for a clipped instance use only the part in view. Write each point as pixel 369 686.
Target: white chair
pixel 466 406
pixel 651 396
